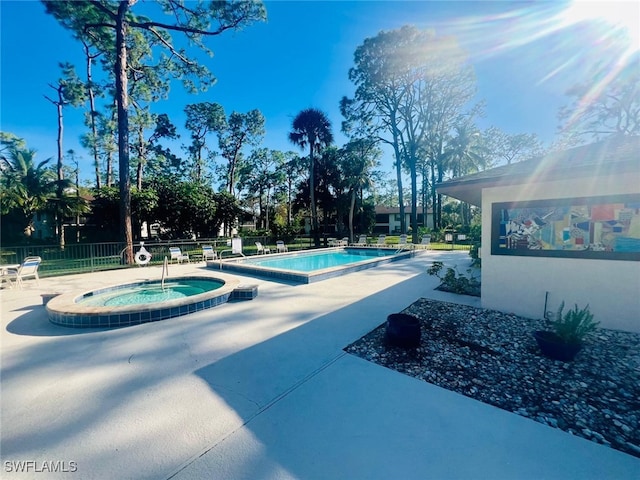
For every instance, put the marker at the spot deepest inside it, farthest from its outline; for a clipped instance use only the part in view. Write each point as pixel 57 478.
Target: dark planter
pixel 402 330
pixel 554 347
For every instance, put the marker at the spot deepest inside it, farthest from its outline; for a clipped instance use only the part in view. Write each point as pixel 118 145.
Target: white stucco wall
pixel 518 284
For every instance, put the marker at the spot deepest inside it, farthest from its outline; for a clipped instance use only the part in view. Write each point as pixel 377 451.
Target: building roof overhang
pixel 614 156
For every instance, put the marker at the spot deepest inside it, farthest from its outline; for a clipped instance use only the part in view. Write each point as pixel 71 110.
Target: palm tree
pixel 465 154
pixel 27 186
pixel 312 128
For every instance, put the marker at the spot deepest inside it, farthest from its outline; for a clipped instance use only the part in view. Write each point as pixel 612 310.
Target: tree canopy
pixel 113 28
pixel 411 89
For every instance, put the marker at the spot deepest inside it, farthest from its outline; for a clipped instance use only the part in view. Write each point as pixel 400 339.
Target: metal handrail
pixel 165 270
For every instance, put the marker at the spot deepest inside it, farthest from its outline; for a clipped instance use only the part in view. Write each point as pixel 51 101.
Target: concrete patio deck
pixel 258 389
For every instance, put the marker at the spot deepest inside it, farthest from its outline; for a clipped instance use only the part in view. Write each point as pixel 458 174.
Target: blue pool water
pixel 319 260
pixel 150 292
pixel 313 266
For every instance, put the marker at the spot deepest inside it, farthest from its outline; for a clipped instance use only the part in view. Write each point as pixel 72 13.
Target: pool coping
pixel 237 265
pixel 63 309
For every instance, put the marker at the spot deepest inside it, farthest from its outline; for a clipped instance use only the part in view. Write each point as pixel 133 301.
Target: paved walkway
pixel 258 390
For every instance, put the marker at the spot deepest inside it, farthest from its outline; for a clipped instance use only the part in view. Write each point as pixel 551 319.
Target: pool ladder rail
pixel 165 270
pixel 236 248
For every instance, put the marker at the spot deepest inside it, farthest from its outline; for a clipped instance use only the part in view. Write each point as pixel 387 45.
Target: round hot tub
pixel 140 302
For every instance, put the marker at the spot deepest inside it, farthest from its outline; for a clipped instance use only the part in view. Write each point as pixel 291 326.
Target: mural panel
pixel 593 227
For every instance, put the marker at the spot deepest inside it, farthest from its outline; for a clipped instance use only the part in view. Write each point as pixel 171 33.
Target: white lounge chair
pixel 208 253
pixel 362 241
pixel 28 269
pixel 381 241
pixel 176 254
pixel 281 247
pixel 262 249
pixel 426 242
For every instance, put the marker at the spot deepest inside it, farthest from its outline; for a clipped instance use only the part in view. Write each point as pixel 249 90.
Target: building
pixel 562 227
pixel 388 219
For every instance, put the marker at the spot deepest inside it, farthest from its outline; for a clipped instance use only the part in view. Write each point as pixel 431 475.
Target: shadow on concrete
pixel 35 323
pixel 68 389
pixel 254 379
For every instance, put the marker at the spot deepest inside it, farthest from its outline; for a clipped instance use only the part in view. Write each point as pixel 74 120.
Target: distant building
pixel 388 219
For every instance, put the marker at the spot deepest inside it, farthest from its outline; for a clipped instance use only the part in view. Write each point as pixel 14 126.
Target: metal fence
pixel 93 257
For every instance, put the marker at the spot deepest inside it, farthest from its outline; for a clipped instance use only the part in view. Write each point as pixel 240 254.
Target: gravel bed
pixel 492 357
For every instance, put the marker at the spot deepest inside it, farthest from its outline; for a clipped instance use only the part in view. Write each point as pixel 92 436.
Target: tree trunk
pixel 414 202
pixel 141 157
pixel 289 188
pixel 199 164
pixel 92 118
pixel 312 195
pixel 261 210
pixel 60 171
pixel 266 216
pixel 122 99
pixel 403 223
pixel 439 197
pixel 352 208
pixel 109 172
pixel 109 151
pixel 233 163
pixel 78 198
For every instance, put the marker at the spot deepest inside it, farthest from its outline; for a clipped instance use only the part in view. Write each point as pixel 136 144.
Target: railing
pixel 165 270
pixel 93 257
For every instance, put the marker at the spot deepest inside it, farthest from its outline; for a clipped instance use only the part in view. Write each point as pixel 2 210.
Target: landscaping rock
pixel 492 357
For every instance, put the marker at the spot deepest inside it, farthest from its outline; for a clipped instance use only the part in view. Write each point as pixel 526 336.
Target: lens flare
pixel 592 43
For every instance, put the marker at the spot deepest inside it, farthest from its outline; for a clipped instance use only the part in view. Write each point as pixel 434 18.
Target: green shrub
pixel 455 282
pixel 573 326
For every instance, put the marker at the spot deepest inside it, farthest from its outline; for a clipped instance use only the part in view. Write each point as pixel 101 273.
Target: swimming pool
pixel 139 302
pixel 315 265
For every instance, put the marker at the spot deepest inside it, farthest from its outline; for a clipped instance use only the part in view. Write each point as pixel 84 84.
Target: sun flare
pixel 621 17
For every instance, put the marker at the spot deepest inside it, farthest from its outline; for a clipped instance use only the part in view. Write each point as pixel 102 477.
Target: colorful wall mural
pixel 596 227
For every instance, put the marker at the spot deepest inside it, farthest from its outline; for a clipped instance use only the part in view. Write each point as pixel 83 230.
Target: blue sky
pixel 300 58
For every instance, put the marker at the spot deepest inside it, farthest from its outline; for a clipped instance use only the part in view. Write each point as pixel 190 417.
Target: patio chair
pixel 28 269
pixel 176 254
pixel 343 243
pixel 281 247
pixel 362 241
pixel 261 249
pixel 381 241
pixel 426 242
pixel 208 253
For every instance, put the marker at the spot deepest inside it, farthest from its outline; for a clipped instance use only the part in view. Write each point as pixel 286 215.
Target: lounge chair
pixel 426 242
pixel 28 269
pixel 381 241
pixel 343 243
pixel 208 253
pixel 261 249
pixel 362 241
pixel 281 247
pixel 177 255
